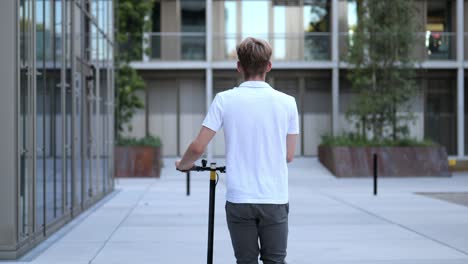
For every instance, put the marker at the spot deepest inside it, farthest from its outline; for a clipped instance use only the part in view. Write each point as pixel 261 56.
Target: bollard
pixel 188 183
pixel 375 174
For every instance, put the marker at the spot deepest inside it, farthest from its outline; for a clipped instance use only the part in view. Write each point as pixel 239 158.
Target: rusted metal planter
pixel 137 161
pixel 392 161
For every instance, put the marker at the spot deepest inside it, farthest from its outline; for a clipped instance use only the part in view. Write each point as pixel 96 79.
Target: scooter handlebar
pixel 200 168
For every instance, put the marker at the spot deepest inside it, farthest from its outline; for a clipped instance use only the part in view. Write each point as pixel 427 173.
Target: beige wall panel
pixel 315 125
pixel 295 44
pixel 170 22
pixel 192 111
pixel 219 49
pixel 162 113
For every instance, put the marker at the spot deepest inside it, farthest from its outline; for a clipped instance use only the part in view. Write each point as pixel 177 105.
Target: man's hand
pixel 178 167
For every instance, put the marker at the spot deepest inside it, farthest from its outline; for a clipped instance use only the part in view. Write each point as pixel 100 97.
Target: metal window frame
pixel 28 228
pixel 460 79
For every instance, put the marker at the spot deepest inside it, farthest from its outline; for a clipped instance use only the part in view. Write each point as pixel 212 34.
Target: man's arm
pixel 290 146
pixel 196 149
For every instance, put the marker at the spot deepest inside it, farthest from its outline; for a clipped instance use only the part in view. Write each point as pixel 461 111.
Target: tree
pixel 316 38
pixel 131 23
pixel 382 68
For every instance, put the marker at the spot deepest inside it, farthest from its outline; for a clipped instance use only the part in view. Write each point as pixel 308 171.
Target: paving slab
pixel 332 221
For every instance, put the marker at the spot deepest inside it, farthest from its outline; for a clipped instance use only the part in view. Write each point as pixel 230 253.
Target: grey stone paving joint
pixel 460 198
pixel 332 221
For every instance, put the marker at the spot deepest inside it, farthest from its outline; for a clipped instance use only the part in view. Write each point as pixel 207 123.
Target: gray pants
pixel 249 223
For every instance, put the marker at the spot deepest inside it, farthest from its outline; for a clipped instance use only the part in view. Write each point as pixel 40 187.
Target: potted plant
pixel 352 156
pixel 138 157
pixel 133 157
pixel 381 73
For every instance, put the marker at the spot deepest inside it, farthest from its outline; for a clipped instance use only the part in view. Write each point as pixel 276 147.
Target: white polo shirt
pixel 256 120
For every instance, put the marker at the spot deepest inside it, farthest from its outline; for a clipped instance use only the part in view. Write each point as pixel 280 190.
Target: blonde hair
pixel 254 55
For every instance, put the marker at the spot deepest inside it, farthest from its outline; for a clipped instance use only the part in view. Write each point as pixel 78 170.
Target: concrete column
pixel 335 70
pixel 170 23
pixel 294 26
pixel 209 32
pixel 461 80
pixel 8 119
pixel 239 21
pixel 209 69
pixel 218 19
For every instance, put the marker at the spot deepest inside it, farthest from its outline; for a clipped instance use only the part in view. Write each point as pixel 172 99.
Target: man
pixel 260 130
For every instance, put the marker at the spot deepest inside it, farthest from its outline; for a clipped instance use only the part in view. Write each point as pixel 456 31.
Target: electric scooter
pixel 213 181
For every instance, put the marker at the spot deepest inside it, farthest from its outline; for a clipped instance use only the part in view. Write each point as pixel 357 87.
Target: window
pixel 193 21
pixel 439 36
pixel 316 26
pixel 155 39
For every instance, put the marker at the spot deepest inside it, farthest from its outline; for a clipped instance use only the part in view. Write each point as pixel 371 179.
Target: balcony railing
pixel 427 45
pixel 181 46
pixel 439 45
pixel 178 46
pixel 286 47
pixel 175 46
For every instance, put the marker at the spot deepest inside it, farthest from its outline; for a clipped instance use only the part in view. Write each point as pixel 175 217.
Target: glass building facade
pixel 59 161
pixel 310 40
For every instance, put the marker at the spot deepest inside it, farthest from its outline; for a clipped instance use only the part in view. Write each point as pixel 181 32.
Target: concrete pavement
pixel 332 221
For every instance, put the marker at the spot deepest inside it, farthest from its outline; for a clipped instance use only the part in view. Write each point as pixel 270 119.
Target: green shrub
pixel 353 140
pixel 148 141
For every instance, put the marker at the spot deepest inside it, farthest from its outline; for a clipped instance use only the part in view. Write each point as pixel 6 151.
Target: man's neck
pixel 256 78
